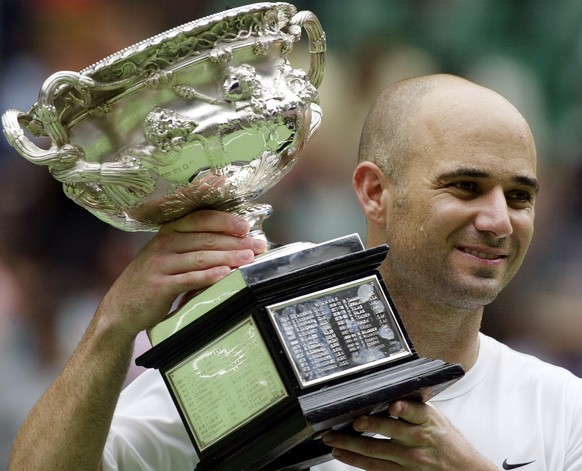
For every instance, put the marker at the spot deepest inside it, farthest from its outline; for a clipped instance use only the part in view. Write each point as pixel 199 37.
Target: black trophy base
pixel 335 407
pixel 262 363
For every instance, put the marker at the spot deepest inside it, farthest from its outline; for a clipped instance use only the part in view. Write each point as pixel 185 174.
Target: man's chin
pixel 476 295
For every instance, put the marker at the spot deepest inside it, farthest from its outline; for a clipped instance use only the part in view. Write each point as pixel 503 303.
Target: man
pixel 446 178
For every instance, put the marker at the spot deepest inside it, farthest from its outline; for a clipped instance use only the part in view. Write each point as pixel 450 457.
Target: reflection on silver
pixel 208 114
pixel 386 332
pixel 365 292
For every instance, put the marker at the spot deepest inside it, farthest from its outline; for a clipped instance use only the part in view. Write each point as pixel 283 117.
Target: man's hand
pixel 188 254
pixel 421 438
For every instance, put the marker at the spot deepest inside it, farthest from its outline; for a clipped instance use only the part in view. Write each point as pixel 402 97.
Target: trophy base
pixel 263 362
pixel 335 408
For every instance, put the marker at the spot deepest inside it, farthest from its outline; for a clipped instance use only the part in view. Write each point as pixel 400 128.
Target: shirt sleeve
pixel 147 433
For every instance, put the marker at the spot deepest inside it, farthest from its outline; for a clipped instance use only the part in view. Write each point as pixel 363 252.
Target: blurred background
pixel 57 261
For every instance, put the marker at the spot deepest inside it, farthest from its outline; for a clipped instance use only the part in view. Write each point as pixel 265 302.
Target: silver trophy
pixel 211 114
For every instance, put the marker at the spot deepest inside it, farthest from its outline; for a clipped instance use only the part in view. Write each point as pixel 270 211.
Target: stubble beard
pixel 442 286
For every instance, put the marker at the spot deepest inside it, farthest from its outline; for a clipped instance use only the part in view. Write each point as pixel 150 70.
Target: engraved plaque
pixel 226 384
pixel 339 331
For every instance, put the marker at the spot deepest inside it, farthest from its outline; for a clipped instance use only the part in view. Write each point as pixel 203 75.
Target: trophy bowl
pixel 210 114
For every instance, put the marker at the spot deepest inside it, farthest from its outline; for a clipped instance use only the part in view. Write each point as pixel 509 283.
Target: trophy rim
pixel 190 28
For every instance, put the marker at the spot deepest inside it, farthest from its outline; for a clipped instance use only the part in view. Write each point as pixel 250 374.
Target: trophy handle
pixel 316 35
pixel 15 135
pixel 45 113
pixel 44 116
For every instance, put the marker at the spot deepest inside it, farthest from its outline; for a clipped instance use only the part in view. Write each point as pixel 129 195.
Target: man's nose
pixel 493 214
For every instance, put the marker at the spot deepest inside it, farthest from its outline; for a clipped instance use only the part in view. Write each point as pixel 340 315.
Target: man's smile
pixel 483 253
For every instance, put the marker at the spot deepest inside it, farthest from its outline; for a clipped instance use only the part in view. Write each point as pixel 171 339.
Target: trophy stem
pixel 255 214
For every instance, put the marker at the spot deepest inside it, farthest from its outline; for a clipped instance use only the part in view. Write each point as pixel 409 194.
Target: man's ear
pixel 374 191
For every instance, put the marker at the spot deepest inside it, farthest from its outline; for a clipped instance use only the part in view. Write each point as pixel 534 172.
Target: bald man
pixel 447 178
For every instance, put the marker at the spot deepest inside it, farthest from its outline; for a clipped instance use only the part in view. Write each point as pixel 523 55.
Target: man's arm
pixel 421 438
pixel 68 426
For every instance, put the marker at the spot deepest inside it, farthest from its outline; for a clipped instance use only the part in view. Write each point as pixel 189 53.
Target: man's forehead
pixel 473 121
pixel 469 106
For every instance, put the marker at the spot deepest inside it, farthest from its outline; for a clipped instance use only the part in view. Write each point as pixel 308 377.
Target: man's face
pixel 462 224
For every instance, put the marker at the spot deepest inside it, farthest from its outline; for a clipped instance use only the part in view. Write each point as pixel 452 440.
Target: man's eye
pixel 465 186
pixel 520 196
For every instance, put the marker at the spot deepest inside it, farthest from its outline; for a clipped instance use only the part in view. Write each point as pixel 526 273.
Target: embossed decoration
pixel 207 114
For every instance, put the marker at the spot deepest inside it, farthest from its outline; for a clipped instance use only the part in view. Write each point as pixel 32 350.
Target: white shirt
pixel 512 407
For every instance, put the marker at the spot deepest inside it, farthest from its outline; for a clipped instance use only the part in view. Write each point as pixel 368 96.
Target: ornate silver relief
pixel 208 114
